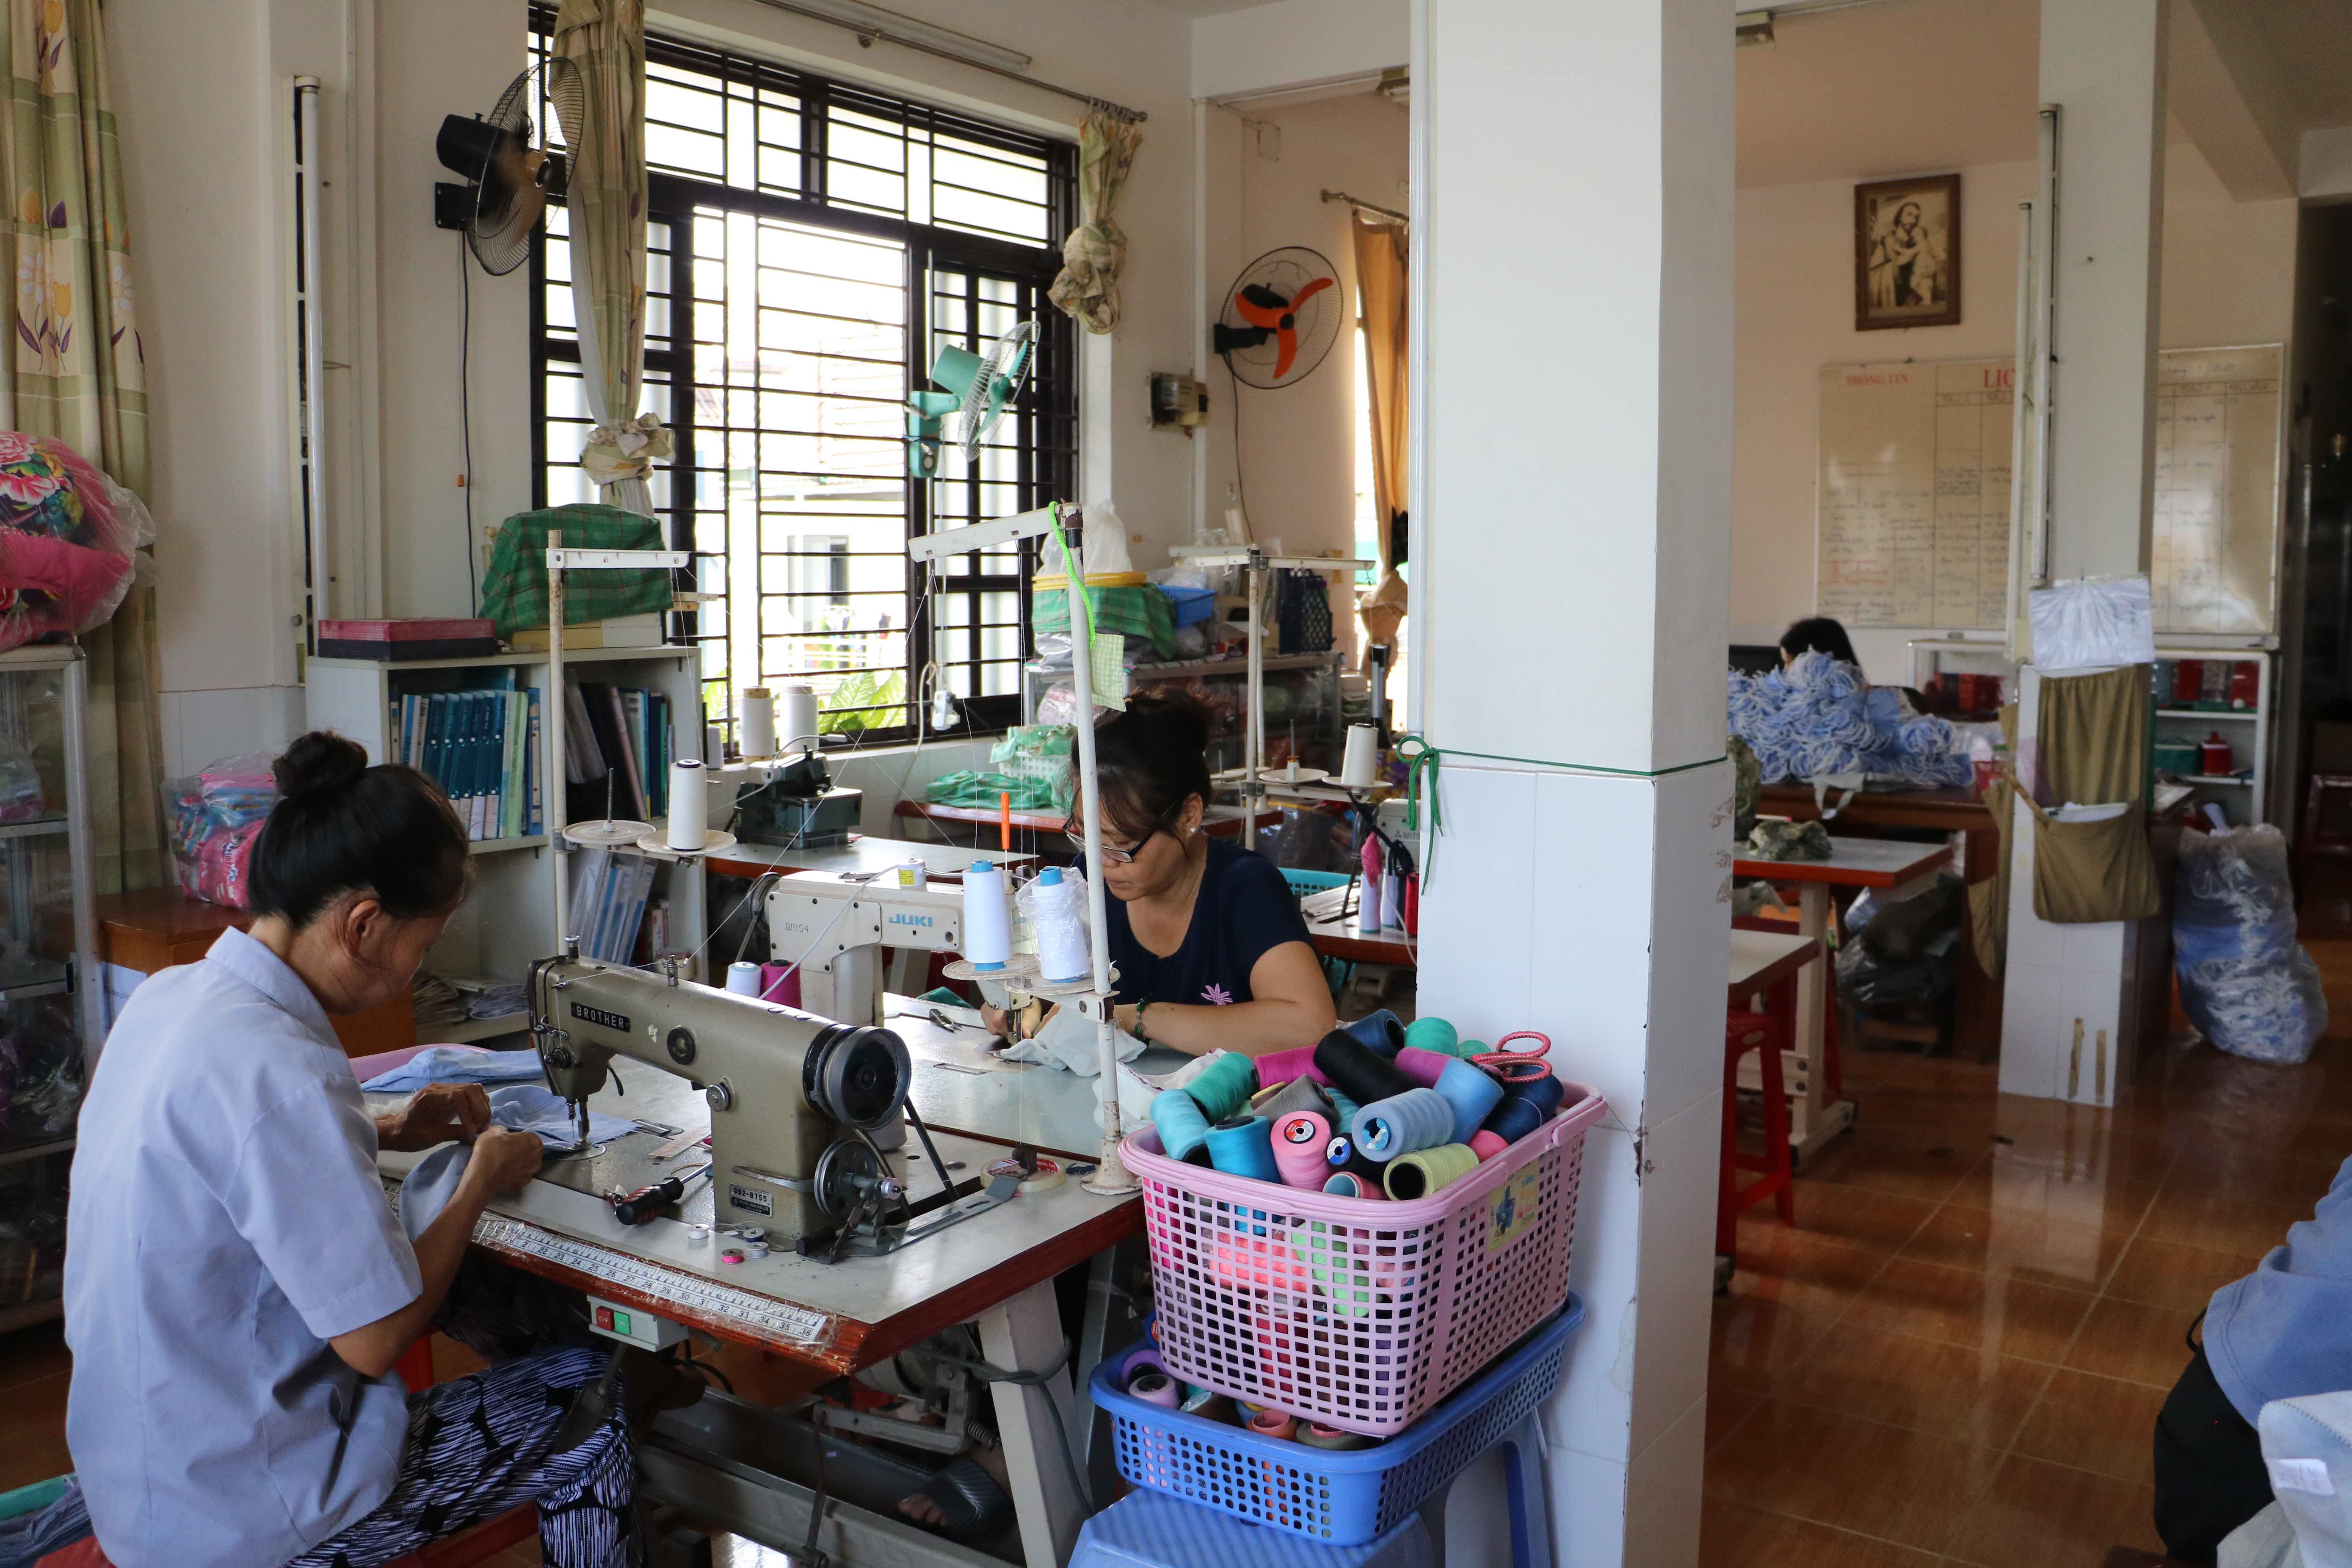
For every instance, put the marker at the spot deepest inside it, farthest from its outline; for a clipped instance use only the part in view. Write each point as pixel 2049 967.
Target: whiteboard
pixel 1913 495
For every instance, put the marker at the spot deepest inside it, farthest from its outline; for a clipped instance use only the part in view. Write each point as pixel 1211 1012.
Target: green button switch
pixel 621 1322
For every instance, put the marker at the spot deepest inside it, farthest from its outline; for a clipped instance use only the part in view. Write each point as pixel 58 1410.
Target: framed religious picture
pixel 1907 253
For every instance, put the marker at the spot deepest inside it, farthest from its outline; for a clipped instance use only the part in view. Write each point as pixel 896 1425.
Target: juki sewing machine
pixel 835 927
pixel 792 1097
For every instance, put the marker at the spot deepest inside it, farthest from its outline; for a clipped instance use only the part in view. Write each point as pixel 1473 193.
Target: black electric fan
pixel 1281 317
pixel 510 174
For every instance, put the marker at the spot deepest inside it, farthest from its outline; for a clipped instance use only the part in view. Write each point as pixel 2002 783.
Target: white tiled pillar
pixel 1572 241
pixel 2067 1012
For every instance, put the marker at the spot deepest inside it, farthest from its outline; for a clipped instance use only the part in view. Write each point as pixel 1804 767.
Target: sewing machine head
pixel 785 1089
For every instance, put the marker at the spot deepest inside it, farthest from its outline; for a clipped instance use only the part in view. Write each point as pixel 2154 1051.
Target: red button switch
pixel 603 1317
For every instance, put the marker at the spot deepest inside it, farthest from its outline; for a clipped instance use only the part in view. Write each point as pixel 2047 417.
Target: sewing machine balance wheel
pixel 844 1174
pixel 858 1077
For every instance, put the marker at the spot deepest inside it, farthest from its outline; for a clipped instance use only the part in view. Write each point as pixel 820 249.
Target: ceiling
pixel 2310 43
pixel 1900 87
pixel 1197 8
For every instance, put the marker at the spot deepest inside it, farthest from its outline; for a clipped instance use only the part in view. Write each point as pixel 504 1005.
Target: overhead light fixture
pixel 1752 27
pixel 872 22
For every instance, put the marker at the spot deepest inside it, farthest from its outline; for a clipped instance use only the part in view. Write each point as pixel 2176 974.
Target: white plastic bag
pixel 2245 982
pixel 2091 623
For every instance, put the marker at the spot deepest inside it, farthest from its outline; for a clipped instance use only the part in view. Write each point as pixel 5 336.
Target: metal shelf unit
pixel 2245 798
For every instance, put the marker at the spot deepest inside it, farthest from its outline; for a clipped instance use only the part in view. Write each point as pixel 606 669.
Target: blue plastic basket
pixel 1191 606
pixel 1339 1497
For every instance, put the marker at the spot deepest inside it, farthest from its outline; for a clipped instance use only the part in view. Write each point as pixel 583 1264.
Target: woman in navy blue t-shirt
pixel 1211 948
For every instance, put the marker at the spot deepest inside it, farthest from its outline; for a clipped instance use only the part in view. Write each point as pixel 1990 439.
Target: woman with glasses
pixel 1210 949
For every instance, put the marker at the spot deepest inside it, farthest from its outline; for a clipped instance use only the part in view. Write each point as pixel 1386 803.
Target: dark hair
pixel 1818 634
pixel 341 826
pixel 1148 760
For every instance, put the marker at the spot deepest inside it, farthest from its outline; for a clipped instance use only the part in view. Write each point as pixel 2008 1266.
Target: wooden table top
pixel 167 913
pixel 1332 930
pixel 1953 810
pixel 1852 863
pixel 1762 959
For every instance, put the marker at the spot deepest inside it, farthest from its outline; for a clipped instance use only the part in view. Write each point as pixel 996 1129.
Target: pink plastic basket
pixel 1358 1313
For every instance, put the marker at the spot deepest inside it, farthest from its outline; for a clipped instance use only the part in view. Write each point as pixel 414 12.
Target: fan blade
pixel 1287 342
pixel 1256 313
pixel 1309 293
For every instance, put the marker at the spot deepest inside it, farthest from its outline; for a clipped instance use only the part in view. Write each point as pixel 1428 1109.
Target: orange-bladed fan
pixel 1280 319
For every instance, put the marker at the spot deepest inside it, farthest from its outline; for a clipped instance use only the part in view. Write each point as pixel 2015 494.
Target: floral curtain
pixel 1381 281
pixel 75 371
pixel 1087 288
pixel 606 201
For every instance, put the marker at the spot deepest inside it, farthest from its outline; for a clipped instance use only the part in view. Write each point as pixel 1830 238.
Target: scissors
pixel 1519 1068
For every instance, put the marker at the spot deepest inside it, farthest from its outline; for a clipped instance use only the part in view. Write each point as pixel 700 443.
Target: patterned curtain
pixel 606 39
pixel 1381 282
pixel 1087 288
pixel 76 372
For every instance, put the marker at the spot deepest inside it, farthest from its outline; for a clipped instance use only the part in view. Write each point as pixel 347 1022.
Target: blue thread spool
pixel 1243 1146
pixel 1417 1118
pixel 1471 1093
pixel 1183 1126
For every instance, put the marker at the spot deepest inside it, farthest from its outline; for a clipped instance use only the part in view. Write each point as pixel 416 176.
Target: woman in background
pixel 1817 634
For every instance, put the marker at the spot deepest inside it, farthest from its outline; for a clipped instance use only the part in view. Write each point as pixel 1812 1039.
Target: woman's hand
pixel 436 1113
pixel 504 1161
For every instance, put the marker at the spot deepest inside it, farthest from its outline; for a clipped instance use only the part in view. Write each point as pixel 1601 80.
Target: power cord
pixel 466 412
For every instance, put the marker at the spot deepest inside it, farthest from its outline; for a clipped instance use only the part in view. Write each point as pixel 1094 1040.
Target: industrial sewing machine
pixel 836 926
pixel 791 1096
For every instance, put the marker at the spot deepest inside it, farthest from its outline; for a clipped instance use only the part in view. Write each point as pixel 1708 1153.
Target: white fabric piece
pixel 2093 621
pixel 1068 1041
pixel 2306 1441
pixel 2265 1541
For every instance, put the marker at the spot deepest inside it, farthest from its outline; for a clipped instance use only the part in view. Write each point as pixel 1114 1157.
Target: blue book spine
pixel 533 821
pixel 436 739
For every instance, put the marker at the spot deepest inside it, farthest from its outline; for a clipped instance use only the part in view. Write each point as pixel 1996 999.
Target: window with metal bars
pixel 812 247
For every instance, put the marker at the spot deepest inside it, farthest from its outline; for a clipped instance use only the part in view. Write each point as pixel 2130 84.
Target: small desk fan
pixel 978 389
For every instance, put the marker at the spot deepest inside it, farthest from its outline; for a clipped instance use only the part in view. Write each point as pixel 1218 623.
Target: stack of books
pixel 618 745
pixel 481 746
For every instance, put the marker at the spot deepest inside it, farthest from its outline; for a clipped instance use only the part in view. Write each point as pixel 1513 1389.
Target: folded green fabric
pixel 1134 610
pixel 514 593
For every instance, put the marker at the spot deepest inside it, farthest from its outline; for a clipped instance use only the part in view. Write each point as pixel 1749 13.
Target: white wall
pixel 2229 276
pixel 1298 444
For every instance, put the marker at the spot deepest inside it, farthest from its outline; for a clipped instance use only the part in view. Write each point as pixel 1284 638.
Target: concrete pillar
pixel 2069 1013
pixel 1572 241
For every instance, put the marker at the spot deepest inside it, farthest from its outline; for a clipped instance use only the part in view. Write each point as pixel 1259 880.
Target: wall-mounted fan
pixel 509 172
pixel 1281 317
pixel 976 389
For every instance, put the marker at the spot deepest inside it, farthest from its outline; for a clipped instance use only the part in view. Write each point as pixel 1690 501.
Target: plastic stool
pixel 1522 1449
pixel 1152 1529
pixel 1763 1033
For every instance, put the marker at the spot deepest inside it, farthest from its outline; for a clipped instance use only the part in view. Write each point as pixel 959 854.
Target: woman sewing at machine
pixel 236 1288
pixel 1210 949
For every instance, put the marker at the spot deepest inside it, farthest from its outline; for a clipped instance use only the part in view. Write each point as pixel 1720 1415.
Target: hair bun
pixel 319 763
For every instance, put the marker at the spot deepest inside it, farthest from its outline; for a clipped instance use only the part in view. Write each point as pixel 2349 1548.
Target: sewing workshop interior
pixel 803 783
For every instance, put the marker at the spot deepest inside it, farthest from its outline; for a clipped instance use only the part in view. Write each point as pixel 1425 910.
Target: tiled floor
pixel 1958 1354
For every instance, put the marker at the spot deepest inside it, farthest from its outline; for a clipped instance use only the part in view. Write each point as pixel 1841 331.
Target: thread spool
pixel 1222 1091
pixel 1523 1111
pixel 1243 1146
pixel 1473 1094
pixel 1424 1067
pixel 1360 761
pixel 1341 1155
pixel 756 722
pixel 1141 1359
pixel 987 920
pixel 1387 1128
pixel 1425 1170
pixel 1277 1424
pixel 1348 1185
pixel 1183 1125
pixel 743 978
pixel 1299 1094
pixel 1380 1033
pixel 1427 1034
pixel 1208 1404
pixel 1486 1145
pixel 1368 891
pixel 1154 1388
pixel 1360 1074
pixel 1058 911
pixel 796 716
pixel 1315 1436
pixel 1343 1109
pixel 688 804
pixel 1282 1066
pixel 1299 1139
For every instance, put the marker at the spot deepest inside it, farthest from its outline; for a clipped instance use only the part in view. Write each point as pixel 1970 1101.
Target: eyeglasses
pixel 1076 832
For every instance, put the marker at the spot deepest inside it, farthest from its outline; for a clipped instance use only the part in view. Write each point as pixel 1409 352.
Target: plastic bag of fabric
pixel 216 816
pixel 69 539
pixel 1039 755
pixel 2245 982
pixel 1867 977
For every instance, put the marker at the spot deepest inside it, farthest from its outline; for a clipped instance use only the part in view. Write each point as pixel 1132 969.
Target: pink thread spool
pixel 1299 1139
pixel 1424 1067
pixel 1281 1066
pixel 1486 1145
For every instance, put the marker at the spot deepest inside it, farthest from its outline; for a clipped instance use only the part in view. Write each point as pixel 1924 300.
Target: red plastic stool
pixel 1763 1033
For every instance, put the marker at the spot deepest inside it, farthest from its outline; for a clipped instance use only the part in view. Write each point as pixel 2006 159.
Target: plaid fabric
pixel 514 595
pixel 1140 611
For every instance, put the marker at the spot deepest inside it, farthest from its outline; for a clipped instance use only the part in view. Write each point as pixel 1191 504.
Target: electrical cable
pixel 466 412
pixel 704 1368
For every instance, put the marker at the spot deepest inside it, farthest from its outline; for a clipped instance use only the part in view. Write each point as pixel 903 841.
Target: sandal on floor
pixel 974 1505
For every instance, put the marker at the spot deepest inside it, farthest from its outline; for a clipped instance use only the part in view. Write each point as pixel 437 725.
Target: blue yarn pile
pixel 1819 717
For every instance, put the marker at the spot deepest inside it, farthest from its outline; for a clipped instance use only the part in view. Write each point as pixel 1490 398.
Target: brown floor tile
pixel 2052 1517
pixel 523 1554
pixel 2008 1182
pixel 1726 1409
pixel 1946 1391
pixel 37 1352
pixel 2166 1274
pixel 1959 1307
pixel 1754 1343
pixel 1843 1471
pixel 1909 1162
pixel 1799 1269
pixel 34 1446
pixel 1732 1536
pixel 2196 1211
pixel 2023 1246
pixel 1841 1211
pixel 2134 1342
pixel 2096 1423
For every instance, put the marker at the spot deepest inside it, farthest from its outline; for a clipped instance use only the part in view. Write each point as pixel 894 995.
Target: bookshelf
pixel 508 919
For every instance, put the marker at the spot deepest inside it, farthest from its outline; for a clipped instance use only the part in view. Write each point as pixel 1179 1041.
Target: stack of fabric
pixel 1817 717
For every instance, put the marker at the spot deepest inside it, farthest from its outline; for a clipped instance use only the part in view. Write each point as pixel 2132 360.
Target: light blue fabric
pixel 56 1518
pixel 225 1222
pixel 457 1064
pixel 1819 717
pixel 2310 1464
pixel 2285 1331
pixel 535 1108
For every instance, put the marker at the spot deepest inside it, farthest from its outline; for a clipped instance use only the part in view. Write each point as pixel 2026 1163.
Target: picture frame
pixel 1907 253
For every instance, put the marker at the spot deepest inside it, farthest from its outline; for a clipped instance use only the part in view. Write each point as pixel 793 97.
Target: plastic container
pixel 1190 606
pixel 1336 1497
pixel 1355 1312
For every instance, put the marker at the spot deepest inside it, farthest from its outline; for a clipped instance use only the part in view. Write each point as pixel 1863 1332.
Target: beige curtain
pixel 1380 284
pixel 76 373
pixel 1087 288
pixel 605 205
